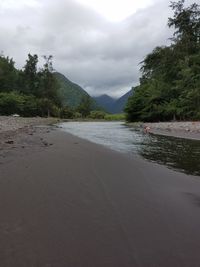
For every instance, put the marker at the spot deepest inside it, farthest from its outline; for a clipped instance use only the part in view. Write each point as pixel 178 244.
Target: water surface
pixel 176 153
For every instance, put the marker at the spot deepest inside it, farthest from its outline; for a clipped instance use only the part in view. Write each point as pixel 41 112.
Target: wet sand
pixel 67 202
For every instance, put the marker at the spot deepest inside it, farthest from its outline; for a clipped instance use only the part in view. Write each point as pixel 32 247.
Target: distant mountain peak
pixel 113 105
pixel 105 101
pixel 73 93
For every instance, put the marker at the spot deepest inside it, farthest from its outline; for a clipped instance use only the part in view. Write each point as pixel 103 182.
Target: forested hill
pixel 40 92
pixel 170 83
pixel 71 93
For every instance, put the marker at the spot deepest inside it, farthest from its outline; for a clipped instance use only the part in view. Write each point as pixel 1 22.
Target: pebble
pixel 9 123
pixel 185 126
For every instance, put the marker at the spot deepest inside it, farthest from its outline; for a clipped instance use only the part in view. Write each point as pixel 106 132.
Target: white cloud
pixel 13 4
pixel 99 55
pixel 116 10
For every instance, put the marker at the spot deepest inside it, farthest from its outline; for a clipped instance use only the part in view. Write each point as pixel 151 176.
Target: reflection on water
pixel 176 153
pixel 179 154
pixel 111 134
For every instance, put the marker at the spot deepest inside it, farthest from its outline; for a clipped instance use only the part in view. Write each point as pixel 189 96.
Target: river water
pixel 176 153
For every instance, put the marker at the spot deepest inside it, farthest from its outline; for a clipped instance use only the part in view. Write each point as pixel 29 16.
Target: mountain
pixel 105 102
pixel 120 103
pixel 113 105
pixel 71 93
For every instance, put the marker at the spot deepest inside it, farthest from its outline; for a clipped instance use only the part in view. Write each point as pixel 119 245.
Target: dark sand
pixel 78 204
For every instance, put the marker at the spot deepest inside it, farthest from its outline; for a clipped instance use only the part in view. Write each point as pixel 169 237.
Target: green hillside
pixel 71 93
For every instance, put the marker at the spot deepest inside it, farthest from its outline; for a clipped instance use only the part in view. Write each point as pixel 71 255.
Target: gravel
pixel 10 124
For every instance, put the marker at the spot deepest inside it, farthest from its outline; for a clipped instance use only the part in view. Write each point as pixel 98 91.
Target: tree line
pixel 29 91
pixel 170 83
pixel 33 91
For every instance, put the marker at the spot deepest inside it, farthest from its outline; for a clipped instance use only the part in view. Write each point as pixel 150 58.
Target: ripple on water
pixel 179 154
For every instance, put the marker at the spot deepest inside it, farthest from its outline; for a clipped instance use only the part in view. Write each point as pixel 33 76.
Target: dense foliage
pixel 28 92
pixel 170 83
pixel 40 92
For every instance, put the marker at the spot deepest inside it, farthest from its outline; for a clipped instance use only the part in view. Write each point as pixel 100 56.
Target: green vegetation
pixel 97 115
pixel 72 94
pixel 115 117
pixel 85 106
pixel 28 92
pixel 33 92
pixel 170 83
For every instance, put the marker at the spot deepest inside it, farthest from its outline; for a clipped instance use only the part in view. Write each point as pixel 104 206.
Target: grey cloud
pixel 101 56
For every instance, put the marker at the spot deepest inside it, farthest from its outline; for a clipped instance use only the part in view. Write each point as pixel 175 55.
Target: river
pixel 176 153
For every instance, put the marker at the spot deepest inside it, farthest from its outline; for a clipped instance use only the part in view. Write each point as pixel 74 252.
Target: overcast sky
pixel 95 43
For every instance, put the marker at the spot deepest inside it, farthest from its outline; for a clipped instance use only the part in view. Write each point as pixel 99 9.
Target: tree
pixel 49 86
pixel 10 103
pixel 85 106
pixel 66 112
pixel 8 74
pixel 28 92
pixel 170 83
pixel 186 21
pixel 30 76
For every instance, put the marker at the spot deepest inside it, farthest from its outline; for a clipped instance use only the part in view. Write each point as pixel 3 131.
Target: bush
pixel 47 108
pixel 97 114
pixel 30 106
pixel 66 113
pixel 115 117
pixel 26 105
pixel 11 103
pixel 77 115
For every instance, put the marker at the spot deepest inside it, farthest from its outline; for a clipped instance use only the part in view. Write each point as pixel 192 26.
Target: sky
pixel 95 43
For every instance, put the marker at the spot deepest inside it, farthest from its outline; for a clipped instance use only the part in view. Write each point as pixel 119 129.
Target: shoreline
pixel 17 132
pixel 76 203
pixel 176 134
pixel 23 143
pixel 11 126
pixel 187 130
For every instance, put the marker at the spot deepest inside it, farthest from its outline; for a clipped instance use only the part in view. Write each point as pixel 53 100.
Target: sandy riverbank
pixel 16 132
pixel 9 123
pixel 74 203
pixel 189 130
pixel 11 126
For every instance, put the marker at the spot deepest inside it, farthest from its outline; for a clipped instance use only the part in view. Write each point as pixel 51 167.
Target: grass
pixel 115 117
